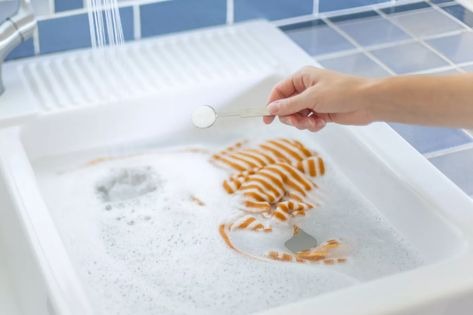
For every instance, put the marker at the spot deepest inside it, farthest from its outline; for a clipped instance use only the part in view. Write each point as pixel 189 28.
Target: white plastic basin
pixel 429 211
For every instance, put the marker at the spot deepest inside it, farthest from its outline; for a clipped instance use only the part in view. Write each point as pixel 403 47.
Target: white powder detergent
pixel 142 232
pixel 203 116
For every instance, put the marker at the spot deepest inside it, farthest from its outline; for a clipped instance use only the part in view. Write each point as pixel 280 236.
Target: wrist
pixel 367 97
pixel 364 97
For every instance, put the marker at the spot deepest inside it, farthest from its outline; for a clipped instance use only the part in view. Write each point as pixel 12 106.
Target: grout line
pixel 230 12
pixel 315 7
pixel 36 46
pixel 389 45
pixel 136 22
pixel 52 7
pixel 465 64
pixel 468 132
pixel 361 48
pixel 446 151
pixel 451 33
pixel 337 54
pixel 418 39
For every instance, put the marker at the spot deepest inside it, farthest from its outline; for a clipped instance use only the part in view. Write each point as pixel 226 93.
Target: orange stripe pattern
pixel 275 180
pixel 324 253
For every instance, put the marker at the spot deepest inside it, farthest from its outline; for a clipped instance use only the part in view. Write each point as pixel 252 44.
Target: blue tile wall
pixel 333 5
pixel 25 49
pixel 65 5
pixel 126 17
pixel 156 17
pixel 271 9
pixel 64 33
pixel 62 30
pixel 180 15
pixel 72 32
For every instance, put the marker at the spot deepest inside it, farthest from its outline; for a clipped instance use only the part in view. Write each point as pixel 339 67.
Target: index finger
pixel 294 84
pixel 283 89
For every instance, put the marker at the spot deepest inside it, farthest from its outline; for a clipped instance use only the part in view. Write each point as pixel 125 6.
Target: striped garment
pixel 275 180
pixel 323 253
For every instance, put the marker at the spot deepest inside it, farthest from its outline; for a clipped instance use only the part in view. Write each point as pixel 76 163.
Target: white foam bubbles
pixel 159 252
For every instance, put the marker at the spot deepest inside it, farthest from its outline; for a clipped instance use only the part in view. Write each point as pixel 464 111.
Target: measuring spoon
pixel 205 116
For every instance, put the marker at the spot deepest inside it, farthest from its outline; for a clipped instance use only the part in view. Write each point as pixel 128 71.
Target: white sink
pixel 420 203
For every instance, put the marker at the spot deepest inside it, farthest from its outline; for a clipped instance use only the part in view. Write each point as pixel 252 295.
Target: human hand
pixel 312 97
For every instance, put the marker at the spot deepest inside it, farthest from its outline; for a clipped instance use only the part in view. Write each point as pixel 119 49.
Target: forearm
pixel 428 100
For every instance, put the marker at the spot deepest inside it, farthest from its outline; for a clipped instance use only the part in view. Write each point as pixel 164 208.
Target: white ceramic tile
pixel 427 22
pixel 319 40
pixel 373 31
pixel 357 64
pixel 458 48
pixel 407 58
pixel 430 139
pixel 458 167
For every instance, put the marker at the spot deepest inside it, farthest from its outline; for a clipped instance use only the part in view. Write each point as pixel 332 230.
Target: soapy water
pixel 127 183
pixel 142 245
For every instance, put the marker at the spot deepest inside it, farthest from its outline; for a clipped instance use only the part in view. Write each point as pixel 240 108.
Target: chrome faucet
pixel 15 30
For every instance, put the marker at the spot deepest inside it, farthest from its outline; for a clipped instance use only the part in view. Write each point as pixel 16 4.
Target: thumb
pixel 291 105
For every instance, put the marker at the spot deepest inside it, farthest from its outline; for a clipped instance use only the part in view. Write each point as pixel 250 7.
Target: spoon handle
pixel 246 112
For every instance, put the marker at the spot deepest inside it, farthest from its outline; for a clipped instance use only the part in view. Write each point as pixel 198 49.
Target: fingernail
pixel 273 108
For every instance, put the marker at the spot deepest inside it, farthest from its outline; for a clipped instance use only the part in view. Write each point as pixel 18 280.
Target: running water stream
pixel 104 23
